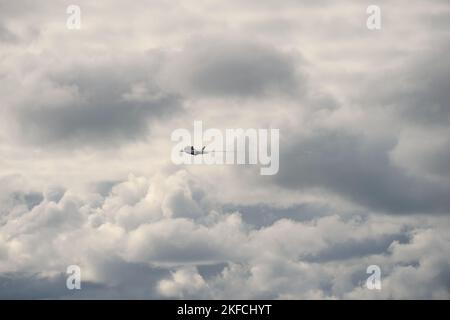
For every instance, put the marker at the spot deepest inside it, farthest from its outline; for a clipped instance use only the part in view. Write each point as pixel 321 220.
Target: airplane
pixel 191 150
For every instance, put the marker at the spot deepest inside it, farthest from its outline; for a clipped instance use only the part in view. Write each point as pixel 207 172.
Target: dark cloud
pixel 31 286
pixel 361 171
pixel 111 105
pixel 418 91
pixel 418 99
pixel 16 197
pixel 125 280
pixel 119 279
pixel 355 249
pixel 265 215
pixel 211 270
pixel 6 35
pixel 20 285
pixel 221 67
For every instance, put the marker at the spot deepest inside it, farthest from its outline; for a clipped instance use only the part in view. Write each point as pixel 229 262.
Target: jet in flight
pixel 192 151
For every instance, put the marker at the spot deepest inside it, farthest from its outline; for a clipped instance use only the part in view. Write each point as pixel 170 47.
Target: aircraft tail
pixel 203 149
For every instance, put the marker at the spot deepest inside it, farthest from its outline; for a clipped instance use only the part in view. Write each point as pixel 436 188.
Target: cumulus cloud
pixel 184 282
pixel 322 257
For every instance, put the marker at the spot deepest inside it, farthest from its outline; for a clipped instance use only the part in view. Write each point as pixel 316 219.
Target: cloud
pixel 161 256
pixel 6 35
pixel 418 88
pixel 360 170
pixel 93 106
pixel 86 176
pixel 222 67
pixel 184 282
pixel 386 149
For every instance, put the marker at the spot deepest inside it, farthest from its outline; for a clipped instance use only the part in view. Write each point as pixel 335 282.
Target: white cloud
pixel 286 259
pixel 185 282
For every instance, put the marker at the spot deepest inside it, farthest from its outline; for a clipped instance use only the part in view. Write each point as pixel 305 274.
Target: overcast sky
pixel 86 176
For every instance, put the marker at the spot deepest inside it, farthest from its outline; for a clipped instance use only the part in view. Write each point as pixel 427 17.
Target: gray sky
pixel 86 176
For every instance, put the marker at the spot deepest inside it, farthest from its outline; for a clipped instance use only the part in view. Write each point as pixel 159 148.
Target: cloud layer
pixel 86 176
pixel 136 235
